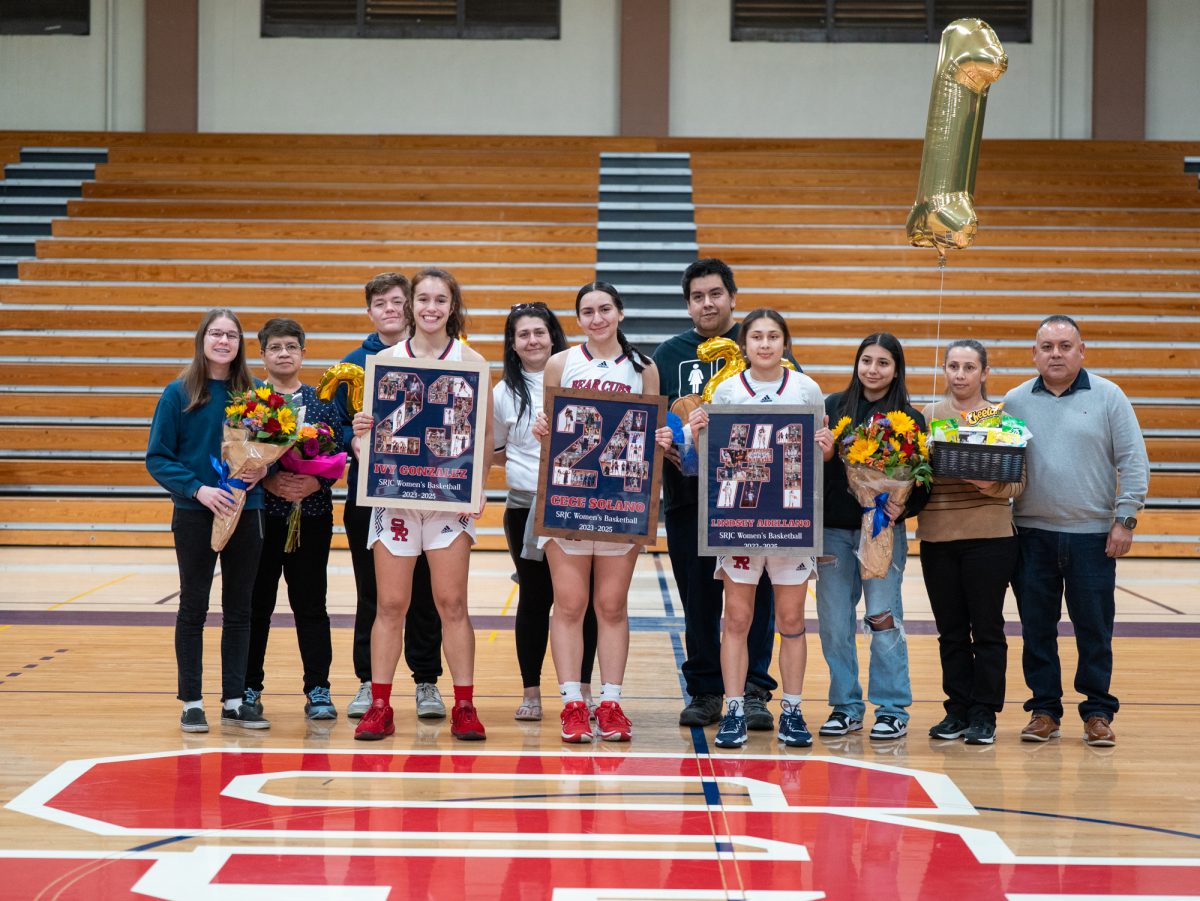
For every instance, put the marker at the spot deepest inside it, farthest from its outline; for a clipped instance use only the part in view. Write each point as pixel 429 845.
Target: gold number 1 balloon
pixel 970 61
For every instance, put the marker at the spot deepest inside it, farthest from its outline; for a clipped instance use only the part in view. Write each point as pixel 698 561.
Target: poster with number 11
pixel 600 467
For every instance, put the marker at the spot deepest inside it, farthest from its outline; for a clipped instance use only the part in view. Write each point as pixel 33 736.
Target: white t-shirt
pixel 522 451
pixel 792 388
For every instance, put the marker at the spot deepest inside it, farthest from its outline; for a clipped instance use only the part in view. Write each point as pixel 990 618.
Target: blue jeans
pixel 1050 563
pixel 839 587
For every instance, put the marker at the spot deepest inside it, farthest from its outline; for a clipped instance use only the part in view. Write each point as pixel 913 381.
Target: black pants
pixel 703 596
pixel 535 598
pixel 305 572
pixel 966 581
pixel 197 561
pixel 422 625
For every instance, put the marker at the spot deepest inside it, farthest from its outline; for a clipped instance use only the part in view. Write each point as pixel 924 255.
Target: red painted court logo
pixel 229 824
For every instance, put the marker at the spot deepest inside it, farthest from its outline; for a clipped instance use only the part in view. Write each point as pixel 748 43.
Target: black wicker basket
pixel 983 462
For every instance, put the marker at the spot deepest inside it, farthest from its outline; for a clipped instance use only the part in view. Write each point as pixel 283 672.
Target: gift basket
pixel 984 445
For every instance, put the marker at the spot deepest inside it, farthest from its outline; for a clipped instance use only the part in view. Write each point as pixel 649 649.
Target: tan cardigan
pixel 957 509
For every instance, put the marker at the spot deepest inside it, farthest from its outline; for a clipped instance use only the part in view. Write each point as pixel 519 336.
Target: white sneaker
pixel 888 727
pixel 361 703
pixel 429 702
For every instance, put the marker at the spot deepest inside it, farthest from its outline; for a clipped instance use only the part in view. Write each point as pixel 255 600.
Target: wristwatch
pixel 1129 522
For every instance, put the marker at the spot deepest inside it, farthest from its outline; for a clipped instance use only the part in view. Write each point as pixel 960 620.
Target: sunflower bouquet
pixel 315 453
pixel 885 456
pixel 260 425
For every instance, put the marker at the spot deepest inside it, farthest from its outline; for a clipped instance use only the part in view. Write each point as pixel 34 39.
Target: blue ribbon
pixel 880 520
pixel 689 463
pixel 224 481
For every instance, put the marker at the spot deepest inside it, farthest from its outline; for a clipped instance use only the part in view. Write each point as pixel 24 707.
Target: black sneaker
pixel 950 727
pixel 888 727
pixel 252 698
pixel 841 724
pixel 702 710
pixel 758 717
pixel 244 717
pixel 194 720
pixel 981 732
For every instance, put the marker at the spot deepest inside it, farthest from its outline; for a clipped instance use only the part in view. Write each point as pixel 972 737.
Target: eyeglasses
pixel 536 305
pixel 216 334
pixel 289 349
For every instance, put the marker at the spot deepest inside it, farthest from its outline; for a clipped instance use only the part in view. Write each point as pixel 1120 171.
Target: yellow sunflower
pixel 862 450
pixel 921 444
pixel 902 423
pixel 287 420
pixel 262 393
pixel 840 427
pixel 235 410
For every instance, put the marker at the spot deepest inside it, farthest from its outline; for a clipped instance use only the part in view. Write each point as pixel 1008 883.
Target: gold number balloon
pixel 720 349
pixel 970 61
pixel 349 374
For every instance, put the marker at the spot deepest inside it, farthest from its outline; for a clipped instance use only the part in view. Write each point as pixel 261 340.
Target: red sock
pixel 381 692
pixel 464 693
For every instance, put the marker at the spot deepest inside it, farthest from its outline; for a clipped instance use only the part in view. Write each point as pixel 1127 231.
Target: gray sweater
pixel 1081 442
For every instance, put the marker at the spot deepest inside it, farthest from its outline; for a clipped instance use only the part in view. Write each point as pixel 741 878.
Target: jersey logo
pixel 446 529
pixel 603 364
pixel 399 530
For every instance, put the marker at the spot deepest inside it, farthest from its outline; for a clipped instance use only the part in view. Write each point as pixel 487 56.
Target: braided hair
pixel 636 357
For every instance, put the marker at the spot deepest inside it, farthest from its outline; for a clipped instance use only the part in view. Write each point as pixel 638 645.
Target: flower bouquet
pixel 313 454
pixel 260 426
pixel 884 456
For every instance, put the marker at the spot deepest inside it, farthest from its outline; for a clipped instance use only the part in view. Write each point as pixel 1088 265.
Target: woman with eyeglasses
pixel 185 440
pixel 435 320
pixel 532 333
pixel 606 361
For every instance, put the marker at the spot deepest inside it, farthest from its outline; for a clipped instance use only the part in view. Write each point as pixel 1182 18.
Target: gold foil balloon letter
pixel 720 349
pixel 970 61
pixel 352 376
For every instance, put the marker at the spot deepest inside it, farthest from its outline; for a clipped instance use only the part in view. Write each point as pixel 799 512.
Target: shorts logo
pixel 446 530
pixel 399 530
pixel 464 520
pixel 741 562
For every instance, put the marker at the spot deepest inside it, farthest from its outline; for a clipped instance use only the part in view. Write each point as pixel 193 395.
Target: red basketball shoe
pixel 376 723
pixel 576 726
pixel 612 722
pixel 464 722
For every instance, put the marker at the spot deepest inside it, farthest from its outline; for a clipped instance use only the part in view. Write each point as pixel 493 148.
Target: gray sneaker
pixel 194 720
pixel 758 717
pixel 702 710
pixel 429 702
pixel 361 703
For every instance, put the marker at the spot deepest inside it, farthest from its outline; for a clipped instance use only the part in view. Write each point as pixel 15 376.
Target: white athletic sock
pixel 193 705
pixel 570 691
pixel 610 691
pixel 792 700
pixel 740 700
pixel 233 703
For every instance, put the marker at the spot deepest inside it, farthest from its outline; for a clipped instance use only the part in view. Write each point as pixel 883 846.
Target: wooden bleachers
pixel 173 225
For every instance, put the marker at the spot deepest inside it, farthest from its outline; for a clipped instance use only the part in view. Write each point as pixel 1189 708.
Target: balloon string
pixel 937 341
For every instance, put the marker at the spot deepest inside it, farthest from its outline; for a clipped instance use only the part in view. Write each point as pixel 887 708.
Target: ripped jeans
pixel 839 587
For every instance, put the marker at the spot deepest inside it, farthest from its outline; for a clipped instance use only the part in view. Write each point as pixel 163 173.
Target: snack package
pixel 985 417
pixel 999 436
pixel 944 430
pixel 973 435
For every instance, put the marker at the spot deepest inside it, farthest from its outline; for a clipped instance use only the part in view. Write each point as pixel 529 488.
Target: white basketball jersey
pixel 403 348
pixel 792 388
pixel 582 370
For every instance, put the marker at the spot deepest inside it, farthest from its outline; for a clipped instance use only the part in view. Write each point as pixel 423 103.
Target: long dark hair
pixel 514 377
pixel 456 323
pixel 195 374
pixel 980 350
pixel 636 357
pixel 897 394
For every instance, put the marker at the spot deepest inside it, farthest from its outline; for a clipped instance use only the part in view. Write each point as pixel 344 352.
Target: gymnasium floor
pixel 103 797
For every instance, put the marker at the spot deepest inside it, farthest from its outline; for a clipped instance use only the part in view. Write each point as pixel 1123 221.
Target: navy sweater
pixel 182 442
pixel 371 345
